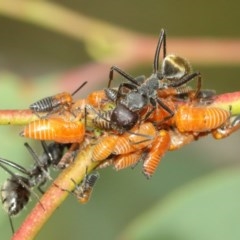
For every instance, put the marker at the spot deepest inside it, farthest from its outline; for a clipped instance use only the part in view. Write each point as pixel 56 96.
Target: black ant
pixel 16 190
pixel 140 92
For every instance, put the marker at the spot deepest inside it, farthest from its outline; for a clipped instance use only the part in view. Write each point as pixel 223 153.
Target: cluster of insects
pixel 139 121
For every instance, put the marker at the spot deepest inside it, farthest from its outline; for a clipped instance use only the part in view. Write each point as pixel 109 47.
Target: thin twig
pixel 22 117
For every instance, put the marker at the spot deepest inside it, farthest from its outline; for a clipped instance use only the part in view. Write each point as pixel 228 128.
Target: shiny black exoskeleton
pixel 16 190
pixel 140 93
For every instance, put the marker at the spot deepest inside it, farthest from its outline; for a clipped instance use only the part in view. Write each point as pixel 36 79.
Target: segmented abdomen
pixel 140 137
pixel 200 119
pixel 55 129
pixel 103 120
pixel 50 103
pixel 104 148
pixel 126 160
pixel 159 147
pixel 43 105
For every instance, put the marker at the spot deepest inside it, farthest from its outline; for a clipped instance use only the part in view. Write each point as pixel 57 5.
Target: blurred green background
pixel 195 193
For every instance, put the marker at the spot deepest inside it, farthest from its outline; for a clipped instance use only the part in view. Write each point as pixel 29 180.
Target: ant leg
pixel 14 165
pixel 167 109
pixel 11 224
pixel 183 80
pixel 81 86
pixel 199 85
pixel 161 41
pixel 113 94
pixel 40 189
pixel 45 148
pixel 147 137
pixel 123 74
pixel 121 86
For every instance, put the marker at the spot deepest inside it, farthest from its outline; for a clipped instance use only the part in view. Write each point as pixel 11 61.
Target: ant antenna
pixel 81 86
pixel 161 41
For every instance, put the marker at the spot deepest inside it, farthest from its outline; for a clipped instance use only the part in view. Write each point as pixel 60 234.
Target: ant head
pixel 123 118
pixel 175 67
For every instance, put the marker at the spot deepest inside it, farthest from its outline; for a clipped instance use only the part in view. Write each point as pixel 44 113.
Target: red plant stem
pixel 22 117
pixel 16 117
pixel 228 99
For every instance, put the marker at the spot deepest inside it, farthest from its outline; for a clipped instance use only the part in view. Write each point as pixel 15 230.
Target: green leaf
pixel 205 209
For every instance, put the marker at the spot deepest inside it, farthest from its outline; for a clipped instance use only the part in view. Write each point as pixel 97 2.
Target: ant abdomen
pixel 14 194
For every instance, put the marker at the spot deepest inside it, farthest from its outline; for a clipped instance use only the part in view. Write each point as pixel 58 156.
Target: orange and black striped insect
pixel 151 153
pixel 55 129
pixel 126 160
pixel 189 118
pixel 137 139
pixel 103 149
pixel 155 153
pixel 51 103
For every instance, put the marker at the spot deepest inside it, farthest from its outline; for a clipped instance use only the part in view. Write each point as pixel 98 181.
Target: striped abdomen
pixel 55 129
pixel 140 137
pixel 126 160
pixel 84 190
pixel 50 103
pixel 158 149
pixel 104 148
pixel 103 120
pixel 200 119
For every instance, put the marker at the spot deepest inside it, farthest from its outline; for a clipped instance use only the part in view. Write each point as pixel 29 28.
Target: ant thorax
pixel 134 101
pixel 38 176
